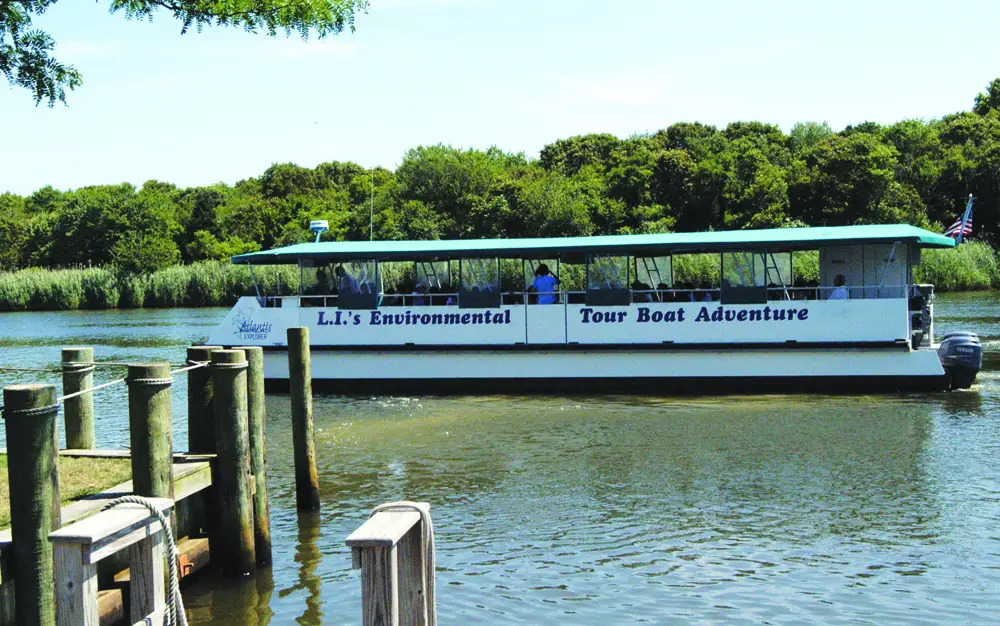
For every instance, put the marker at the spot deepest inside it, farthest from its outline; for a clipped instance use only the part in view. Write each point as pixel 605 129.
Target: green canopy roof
pixel 650 245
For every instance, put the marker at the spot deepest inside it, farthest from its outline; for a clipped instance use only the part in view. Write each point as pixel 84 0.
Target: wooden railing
pixel 77 548
pixel 395 553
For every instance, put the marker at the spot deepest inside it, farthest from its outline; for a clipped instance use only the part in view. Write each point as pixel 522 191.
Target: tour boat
pixel 785 310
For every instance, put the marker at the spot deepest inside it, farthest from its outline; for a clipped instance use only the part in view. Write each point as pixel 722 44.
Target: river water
pixel 552 510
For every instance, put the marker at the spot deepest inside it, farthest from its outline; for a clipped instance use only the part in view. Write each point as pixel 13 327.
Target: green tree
pixel 26 53
pixel 455 183
pixel 843 181
pixel 807 134
pixel 569 156
pixel 989 101
pixel 683 135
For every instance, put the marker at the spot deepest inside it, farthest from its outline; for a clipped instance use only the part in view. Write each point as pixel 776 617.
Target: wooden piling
pixel 258 452
pixel 303 426
pixel 30 413
pixel 232 442
pixel 78 413
pixel 201 414
pixel 151 429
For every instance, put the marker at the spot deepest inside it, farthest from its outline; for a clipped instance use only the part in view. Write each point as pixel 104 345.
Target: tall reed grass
pixel 973 265
pixel 970 266
pixel 210 283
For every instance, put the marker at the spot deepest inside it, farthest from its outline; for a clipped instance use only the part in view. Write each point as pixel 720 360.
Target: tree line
pixel 686 177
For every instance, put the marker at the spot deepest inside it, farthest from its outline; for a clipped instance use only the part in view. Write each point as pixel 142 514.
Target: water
pixel 616 509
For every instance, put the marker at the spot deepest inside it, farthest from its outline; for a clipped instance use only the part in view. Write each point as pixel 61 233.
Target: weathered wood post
pixel 151 429
pixel 232 442
pixel 78 413
pixel 201 429
pixel 30 421
pixel 201 413
pixel 303 426
pixel 394 549
pixel 258 452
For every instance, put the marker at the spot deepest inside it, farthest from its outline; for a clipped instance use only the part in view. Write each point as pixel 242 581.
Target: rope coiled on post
pixel 426 548
pixel 230 366
pixel 78 367
pixel 149 381
pixel 174 615
pixel 38 410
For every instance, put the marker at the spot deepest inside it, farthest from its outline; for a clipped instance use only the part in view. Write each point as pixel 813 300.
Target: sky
pixel 222 105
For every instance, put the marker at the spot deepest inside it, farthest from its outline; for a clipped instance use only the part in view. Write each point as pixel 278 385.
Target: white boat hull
pixel 694 370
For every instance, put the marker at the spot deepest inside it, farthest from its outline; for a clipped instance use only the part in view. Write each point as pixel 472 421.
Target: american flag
pixel 963 225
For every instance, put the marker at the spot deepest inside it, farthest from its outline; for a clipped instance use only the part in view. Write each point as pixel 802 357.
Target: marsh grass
pixel 970 266
pixel 210 283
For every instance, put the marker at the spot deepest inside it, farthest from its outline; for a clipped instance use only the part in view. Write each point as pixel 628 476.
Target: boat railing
pixel 917 293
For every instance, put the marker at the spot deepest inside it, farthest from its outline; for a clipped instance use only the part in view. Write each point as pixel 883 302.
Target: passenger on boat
pixel 640 292
pixel 345 282
pixel 685 292
pixel 839 290
pixel 663 293
pixel 545 285
pixel 322 286
pixel 705 295
pixel 419 295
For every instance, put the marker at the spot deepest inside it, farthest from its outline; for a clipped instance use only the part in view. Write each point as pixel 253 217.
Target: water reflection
pixel 308 557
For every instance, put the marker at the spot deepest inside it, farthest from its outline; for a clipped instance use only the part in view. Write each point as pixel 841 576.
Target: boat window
pixel 396 279
pixel 433 286
pixel 805 274
pixel 696 277
pixel 480 283
pixel 778 270
pixel 317 286
pixel 743 277
pixel 651 279
pixel 356 284
pixel 512 281
pixel 542 281
pixel 608 280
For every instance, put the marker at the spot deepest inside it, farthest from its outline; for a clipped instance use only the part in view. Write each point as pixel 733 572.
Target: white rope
pixel 192 365
pixel 91 390
pixel 174 615
pixel 426 548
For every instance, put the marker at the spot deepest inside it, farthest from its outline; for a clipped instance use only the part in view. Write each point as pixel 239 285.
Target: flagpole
pixel 965 220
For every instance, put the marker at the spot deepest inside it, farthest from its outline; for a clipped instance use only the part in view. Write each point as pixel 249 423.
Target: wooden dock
pixel 192 474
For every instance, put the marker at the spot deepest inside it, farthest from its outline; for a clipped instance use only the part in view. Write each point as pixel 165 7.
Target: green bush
pixel 972 265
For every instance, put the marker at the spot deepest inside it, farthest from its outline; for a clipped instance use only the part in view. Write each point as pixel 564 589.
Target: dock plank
pixel 190 477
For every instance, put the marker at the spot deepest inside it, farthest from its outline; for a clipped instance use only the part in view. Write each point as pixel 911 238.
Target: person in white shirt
pixel 839 290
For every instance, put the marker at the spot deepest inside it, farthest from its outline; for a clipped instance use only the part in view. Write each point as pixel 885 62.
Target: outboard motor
pixel 961 355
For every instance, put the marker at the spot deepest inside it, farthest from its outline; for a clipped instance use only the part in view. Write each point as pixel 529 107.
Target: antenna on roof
pixel 319 227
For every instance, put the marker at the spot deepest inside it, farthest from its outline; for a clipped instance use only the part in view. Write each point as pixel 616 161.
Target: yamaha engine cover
pixel 961 355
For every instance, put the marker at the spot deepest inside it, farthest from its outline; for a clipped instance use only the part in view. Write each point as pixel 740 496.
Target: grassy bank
pixel 972 266
pixel 210 283
pixel 78 477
